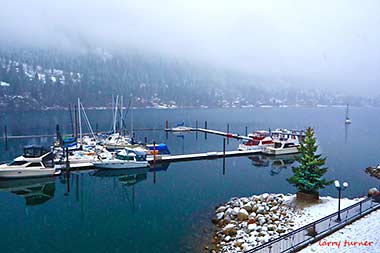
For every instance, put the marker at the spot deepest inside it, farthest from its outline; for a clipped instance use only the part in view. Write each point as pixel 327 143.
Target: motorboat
pixel 283 147
pixel 35 162
pixel 180 127
pixel 77 159
pixel 258 141
pixel 122 159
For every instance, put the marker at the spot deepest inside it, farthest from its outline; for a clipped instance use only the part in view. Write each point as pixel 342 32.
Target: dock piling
pixel 228 131
pixel 206 128
pixel 224 156
pixel 246 131
pixel 6 138
pixel 67 171
pixel 146 140
pixel 196 128
pixel 154 162
pixel 57 134
pixel 166 124
pixel 224 148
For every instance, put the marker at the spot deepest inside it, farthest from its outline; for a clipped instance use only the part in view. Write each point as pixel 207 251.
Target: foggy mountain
pixel 327 45
pixel 41 79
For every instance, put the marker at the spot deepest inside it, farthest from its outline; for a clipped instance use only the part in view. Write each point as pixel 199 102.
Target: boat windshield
pixel 17 163
pixel 251 142
pixel 125 157
pixel 277 145
pixel 141 158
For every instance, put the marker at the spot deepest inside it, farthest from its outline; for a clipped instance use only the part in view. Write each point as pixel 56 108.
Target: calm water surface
pixel 167 210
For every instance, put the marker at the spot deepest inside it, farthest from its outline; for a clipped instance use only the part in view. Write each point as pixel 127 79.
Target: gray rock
pixel 247 207
pixel 274 209
pixel 242 214
pixel 221 209
pixel 235 211
pixel 230 229
pixel 219 216
pixel 239 242
pixel 264 196
pixel 373 192
pixel 260 209
pixel 252 227
pixel 261 220
pixel 252 215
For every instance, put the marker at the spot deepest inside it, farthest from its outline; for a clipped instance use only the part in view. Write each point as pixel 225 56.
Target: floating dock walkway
pixel 199 156
pixel 204 130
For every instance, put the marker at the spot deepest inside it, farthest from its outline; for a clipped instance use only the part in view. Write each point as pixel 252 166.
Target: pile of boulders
pixel 373 171
pixel 244 223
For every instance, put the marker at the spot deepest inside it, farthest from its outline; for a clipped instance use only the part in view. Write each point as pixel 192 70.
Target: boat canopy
pixel 33 151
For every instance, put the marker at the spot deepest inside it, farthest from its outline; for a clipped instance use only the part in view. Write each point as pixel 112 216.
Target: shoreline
pixel 247 222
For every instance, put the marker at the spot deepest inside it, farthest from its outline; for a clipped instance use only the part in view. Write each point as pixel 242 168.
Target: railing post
pixel 360 210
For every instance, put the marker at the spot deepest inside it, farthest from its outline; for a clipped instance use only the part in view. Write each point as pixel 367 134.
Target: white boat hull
pixel 9 173
pixel 119 165
pixel 77 165
pixel 280 151
pixel 243 147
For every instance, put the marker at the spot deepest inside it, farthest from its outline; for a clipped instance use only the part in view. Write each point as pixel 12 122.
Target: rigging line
pixel 88 122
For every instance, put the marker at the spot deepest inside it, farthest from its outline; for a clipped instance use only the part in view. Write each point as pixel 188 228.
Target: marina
pixel 189 127
pixel 197 185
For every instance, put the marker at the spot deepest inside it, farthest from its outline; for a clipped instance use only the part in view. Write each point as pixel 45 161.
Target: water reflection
pixel 275 163
pixel 36 191
pixel 346 128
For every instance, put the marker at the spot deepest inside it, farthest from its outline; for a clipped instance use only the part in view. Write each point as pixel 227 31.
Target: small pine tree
pixel 308 175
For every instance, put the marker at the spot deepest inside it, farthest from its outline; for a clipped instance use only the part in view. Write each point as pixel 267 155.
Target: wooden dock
pixel 200 156
pixel 209 131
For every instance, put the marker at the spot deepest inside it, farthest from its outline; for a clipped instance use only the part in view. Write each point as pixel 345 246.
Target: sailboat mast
pixel 79 122
pixel 121 114
pixel 347 112
pixel 131 118
pixel 115 114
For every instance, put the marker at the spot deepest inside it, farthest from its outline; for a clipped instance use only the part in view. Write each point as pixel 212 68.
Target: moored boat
pixel 122 159
pixel 282 147
pixel 258 141
pixel 348 120
pixel 35 162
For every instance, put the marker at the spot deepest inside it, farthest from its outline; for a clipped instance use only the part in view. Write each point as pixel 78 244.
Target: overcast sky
pixel 332 43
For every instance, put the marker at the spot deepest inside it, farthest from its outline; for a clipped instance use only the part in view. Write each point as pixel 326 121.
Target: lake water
pixel 170 209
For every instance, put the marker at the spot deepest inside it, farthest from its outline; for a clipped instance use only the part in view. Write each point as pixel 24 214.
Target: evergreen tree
pixel 308 176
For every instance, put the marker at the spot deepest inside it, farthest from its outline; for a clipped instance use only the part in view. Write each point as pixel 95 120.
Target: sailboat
pixel 348 120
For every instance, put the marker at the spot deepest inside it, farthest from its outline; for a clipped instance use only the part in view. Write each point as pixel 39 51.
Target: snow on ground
pixel 363 232
pixel 312 212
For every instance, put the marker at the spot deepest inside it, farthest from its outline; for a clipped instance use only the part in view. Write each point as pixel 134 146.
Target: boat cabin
pixel 34 151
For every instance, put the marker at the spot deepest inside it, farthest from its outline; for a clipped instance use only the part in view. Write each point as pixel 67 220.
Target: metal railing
pixel 315 231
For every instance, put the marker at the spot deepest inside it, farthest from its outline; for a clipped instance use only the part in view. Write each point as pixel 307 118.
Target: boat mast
pixel 80 122
pixel 121 114
pixel 115 114
pixel 347 112
pixel 131 119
